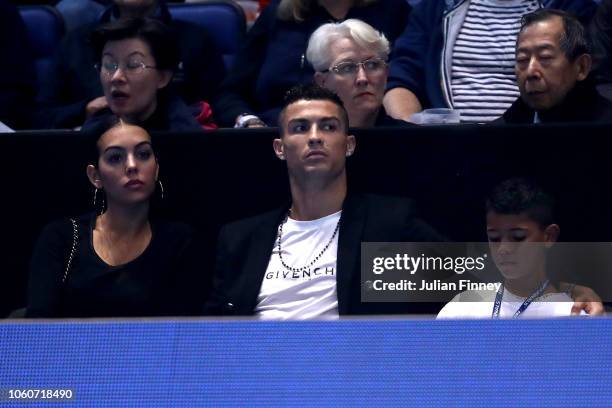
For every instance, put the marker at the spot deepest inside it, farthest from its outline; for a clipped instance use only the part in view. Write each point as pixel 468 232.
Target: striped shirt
pixel 483 83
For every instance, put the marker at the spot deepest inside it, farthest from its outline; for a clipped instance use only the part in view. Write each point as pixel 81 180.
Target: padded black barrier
pixel 213 178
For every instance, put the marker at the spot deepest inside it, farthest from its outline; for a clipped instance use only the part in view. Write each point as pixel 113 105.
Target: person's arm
pixel 408 70
pixel 584 299
pixel 47 267
pixel 237 92
pixel 400 103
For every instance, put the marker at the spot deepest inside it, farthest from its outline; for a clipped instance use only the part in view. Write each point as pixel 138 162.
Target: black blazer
pixel 244 249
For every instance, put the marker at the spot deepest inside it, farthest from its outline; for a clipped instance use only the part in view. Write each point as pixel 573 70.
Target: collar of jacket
pixel 578 105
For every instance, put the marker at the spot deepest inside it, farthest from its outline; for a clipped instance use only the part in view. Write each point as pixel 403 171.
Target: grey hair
pixel 363 34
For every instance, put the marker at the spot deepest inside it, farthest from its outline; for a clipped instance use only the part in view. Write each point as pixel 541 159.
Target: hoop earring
pixel 99 209
pixel 161 189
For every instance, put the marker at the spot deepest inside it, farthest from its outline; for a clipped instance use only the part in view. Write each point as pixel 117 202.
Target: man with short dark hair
pixel 302 261
pixel 553 63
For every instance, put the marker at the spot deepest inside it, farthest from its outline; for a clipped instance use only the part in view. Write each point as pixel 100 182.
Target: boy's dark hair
pixel 574 41
pixel 312 92
pixel 154 33
pixel 522 196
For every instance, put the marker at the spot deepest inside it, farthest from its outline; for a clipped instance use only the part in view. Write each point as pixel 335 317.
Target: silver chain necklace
pixel 280 250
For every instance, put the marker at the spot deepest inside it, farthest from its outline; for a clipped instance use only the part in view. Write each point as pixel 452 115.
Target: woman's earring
pixel 161 189
pixel 95 202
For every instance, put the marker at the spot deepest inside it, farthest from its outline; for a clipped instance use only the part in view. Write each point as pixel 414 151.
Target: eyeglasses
pixel 373 65
pixel 109 68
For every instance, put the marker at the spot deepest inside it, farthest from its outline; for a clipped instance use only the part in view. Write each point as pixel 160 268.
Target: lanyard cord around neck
pixel 500 294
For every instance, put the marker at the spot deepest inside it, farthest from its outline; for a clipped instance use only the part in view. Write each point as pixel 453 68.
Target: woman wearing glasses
pixel 350 59
pixel 273 57
pixel 116 261
pixel 136 59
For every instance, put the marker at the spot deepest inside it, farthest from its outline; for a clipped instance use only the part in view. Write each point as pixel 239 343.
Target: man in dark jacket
pixel 553 63
pixel 75 93
pixel 303 260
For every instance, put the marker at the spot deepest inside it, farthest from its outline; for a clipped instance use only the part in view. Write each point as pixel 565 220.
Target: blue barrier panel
pixel 112 363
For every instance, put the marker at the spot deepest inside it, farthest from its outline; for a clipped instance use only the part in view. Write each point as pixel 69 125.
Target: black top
pixel 158 282
pixel 171 114
pixel 581 104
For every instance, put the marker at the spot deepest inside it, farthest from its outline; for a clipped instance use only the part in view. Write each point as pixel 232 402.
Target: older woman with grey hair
pixel 350 59
pixel 272 57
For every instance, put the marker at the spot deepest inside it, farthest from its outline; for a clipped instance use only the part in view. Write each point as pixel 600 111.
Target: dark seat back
pixel 224 20
pixel 45 27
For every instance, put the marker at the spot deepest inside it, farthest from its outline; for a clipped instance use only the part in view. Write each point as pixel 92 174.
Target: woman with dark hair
pixel 73 93
pixel 136 59
pixel 273 57
pixel 115 262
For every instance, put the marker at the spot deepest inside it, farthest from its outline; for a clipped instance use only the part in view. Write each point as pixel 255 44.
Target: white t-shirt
pixel 310 293
pixel 473 304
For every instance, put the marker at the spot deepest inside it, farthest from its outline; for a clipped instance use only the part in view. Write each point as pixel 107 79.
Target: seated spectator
pixel 135 60
pixel 350 59
pixel 459 54
pixel 272 59
pixel 270 265
pixel 553 63
pixel 75 94
pixel 521 228
pixel 116 261
pixel 601 34
pixel 17 74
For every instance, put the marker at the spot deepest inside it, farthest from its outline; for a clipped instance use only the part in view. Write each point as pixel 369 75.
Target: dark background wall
pixel 213 178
